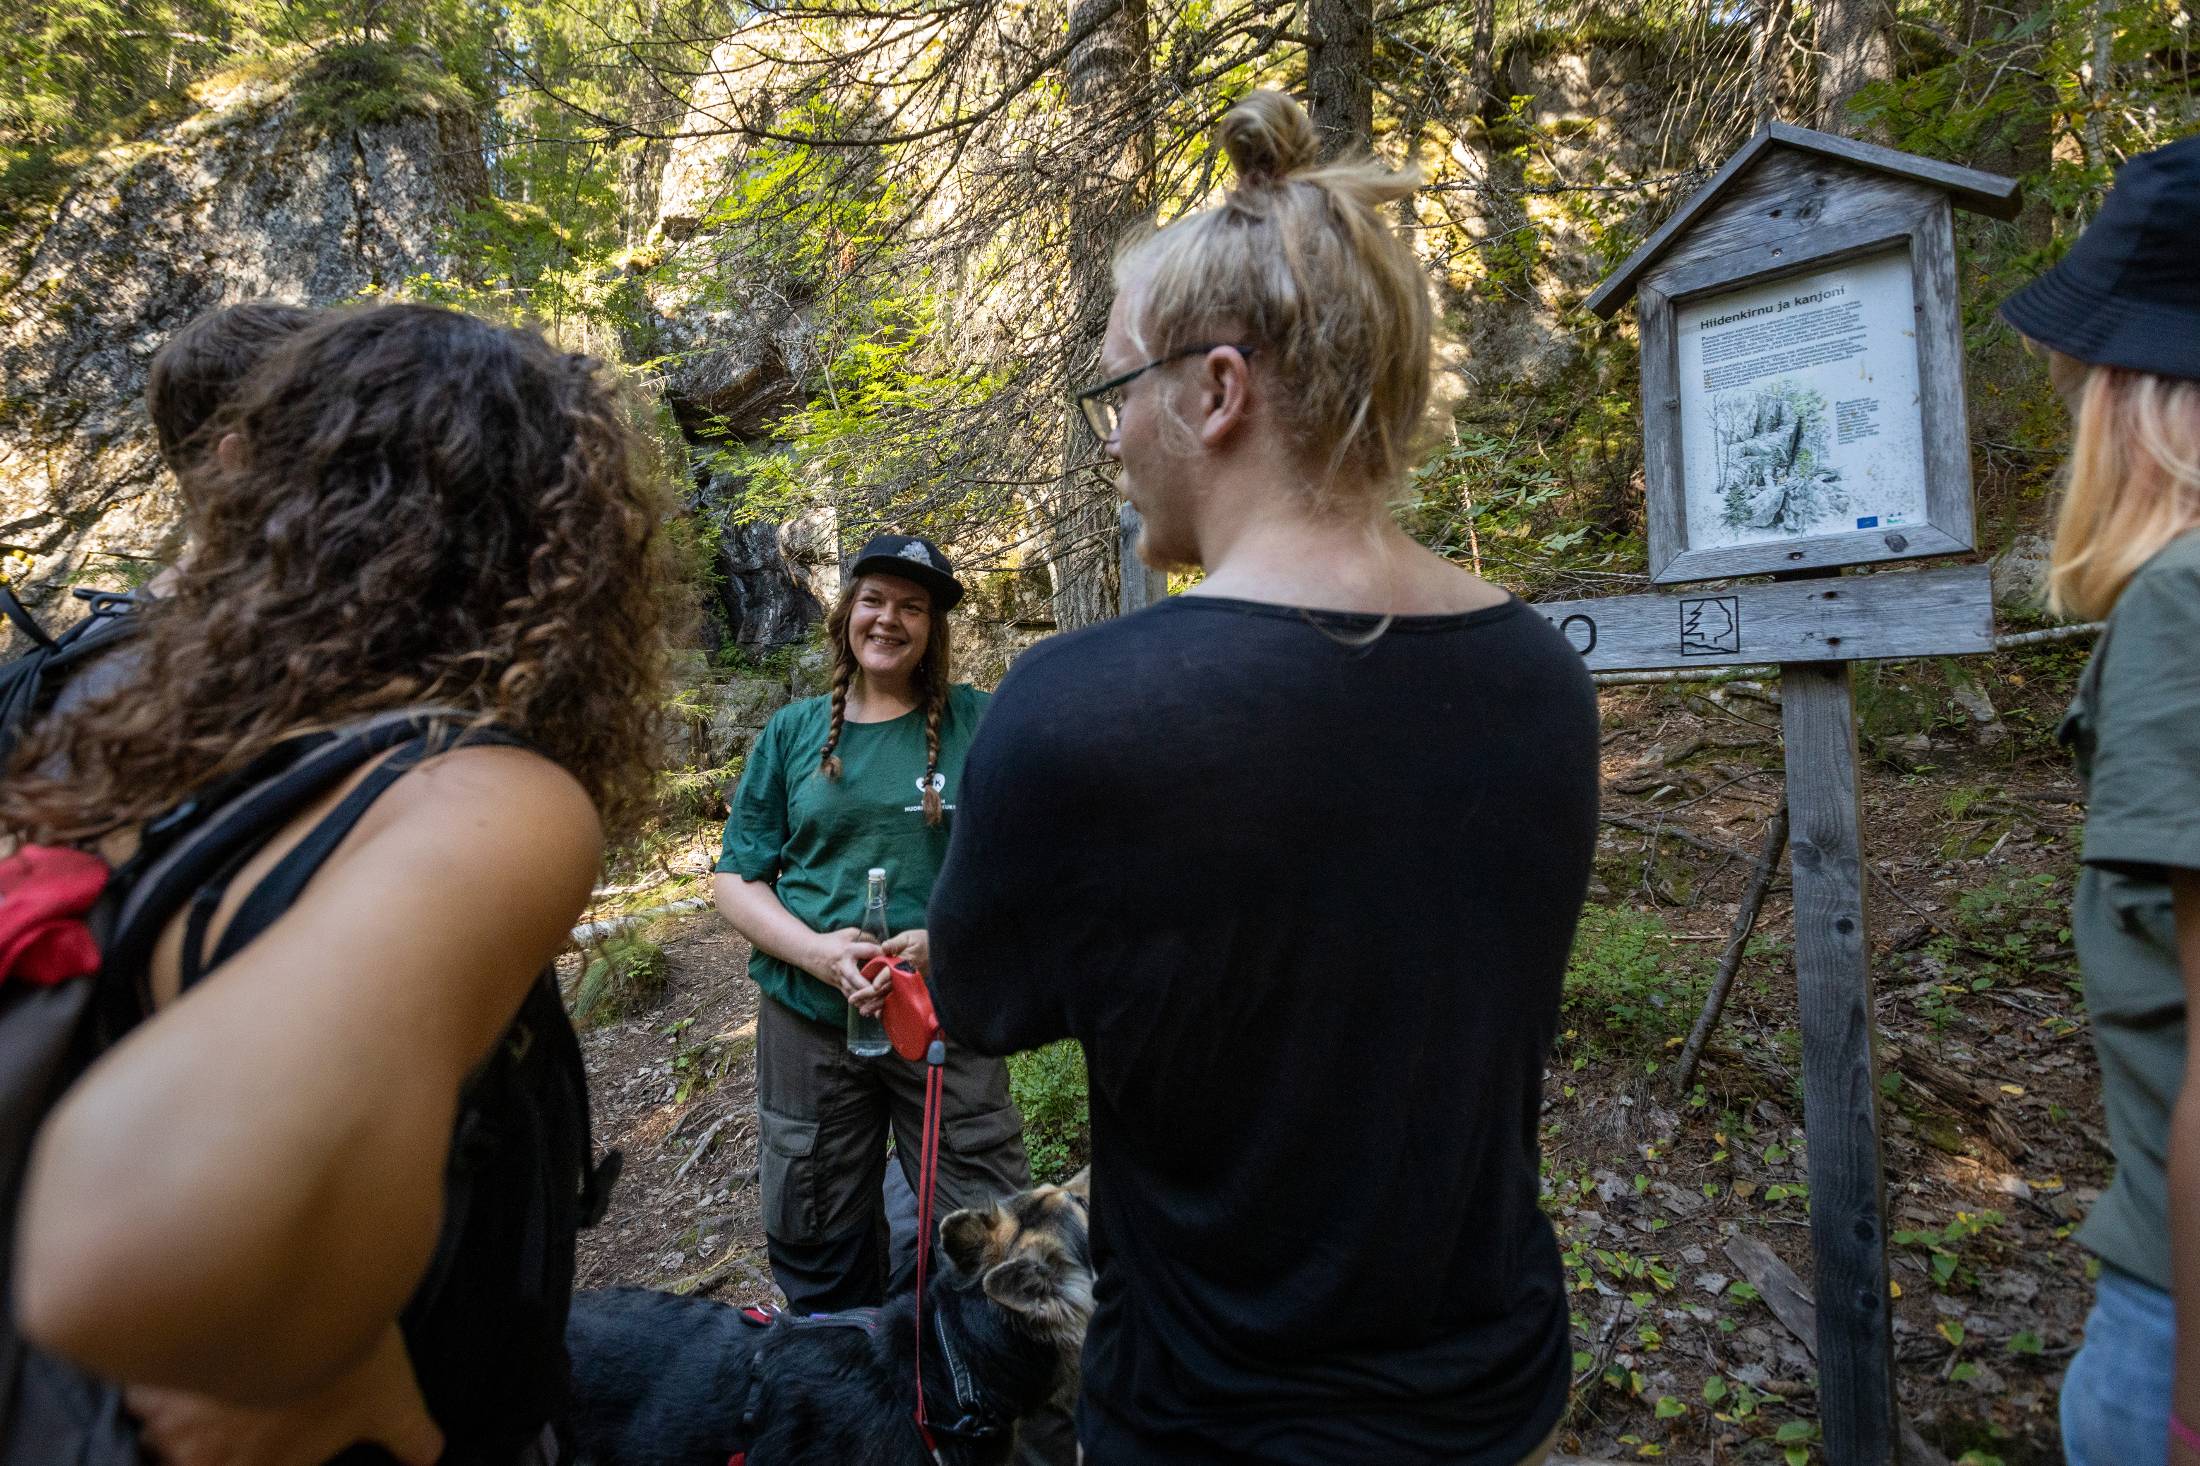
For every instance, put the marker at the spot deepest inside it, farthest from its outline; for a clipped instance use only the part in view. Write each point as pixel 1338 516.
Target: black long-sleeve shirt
pixel 1307 905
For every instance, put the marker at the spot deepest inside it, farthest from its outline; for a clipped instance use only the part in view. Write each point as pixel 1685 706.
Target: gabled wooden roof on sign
pixel 1969 188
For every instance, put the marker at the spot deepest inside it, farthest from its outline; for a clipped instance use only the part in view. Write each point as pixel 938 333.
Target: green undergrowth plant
pixel 699 1066
pixel 1048 1086
pixel 624 974
pixel 1631 988
pixel 1951 1254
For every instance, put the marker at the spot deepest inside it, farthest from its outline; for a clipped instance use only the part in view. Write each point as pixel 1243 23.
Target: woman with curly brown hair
pixel 863 779
pixel 232 1212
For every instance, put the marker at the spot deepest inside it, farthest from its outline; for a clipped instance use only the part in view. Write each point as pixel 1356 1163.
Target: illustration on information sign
pixel 1798 414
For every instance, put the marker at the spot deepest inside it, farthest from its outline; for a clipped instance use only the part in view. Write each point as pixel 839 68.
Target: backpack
pixel 29 684
pixel 485 1327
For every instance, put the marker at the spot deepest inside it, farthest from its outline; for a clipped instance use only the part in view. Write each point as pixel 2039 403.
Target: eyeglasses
pixel 1103 405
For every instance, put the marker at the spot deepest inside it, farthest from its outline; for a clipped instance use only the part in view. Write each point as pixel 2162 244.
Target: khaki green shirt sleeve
pixel 2144 791
pixel 757 830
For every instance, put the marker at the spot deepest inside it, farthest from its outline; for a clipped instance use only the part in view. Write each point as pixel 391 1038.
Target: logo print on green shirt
pixel 939 784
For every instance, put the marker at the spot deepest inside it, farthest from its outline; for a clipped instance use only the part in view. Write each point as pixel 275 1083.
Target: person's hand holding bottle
pixel 837 959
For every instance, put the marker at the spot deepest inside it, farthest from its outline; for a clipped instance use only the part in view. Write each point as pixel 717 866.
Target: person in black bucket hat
pixel 2119 318
pixel 2128 293
pixel 865 777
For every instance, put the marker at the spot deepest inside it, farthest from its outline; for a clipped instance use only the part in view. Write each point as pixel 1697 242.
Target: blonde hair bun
pixel 1268 137
pixel 1298 259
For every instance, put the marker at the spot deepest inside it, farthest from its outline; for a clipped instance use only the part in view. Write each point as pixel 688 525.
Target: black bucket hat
pixel 914 559
pixel 2128 293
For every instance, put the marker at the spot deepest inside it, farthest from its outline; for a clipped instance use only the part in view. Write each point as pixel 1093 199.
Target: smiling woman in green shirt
pixel 863 778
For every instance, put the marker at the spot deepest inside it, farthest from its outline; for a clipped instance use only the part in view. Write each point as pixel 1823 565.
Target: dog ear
pixel 1023 1284
pixel 966 1237
pixel 1080 1186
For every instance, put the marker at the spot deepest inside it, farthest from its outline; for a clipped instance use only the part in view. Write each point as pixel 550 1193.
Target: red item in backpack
pixel 45 893
pixel 911 1025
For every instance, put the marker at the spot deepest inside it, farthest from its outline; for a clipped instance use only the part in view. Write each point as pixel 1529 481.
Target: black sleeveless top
pixel 486 1326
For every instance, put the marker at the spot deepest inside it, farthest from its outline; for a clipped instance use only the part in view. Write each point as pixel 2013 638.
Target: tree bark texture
pixel 1340 75
pixel 1484 60
pixel 1108 83
pixel 1856 48
pixel 1768 59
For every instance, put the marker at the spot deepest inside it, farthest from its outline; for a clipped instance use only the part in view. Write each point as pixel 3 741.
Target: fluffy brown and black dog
pixel 661 1380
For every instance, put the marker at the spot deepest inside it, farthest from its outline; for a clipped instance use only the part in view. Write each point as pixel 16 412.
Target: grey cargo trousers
pixel 823 1116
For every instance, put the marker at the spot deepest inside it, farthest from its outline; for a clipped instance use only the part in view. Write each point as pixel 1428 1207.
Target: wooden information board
pixel 1803 410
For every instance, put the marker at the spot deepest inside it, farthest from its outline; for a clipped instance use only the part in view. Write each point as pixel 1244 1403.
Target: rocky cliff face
pixel 277 186
pixel 733 338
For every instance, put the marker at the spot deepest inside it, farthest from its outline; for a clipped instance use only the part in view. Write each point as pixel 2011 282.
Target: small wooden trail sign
pixel 1932 613
pixel 1803 410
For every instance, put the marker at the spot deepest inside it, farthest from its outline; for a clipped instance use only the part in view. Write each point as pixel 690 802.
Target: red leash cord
pixel 910 1022
pixel 928 1174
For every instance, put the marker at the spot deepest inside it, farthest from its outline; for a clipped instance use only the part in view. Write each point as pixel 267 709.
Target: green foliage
pixel 892 415
pixel 369 83
pixel 1048 1086
pixel 1533 509
pixel 697 1068
pixel 1631 990
pixel 1951 1252
pixel 2011 926
pixel 624 975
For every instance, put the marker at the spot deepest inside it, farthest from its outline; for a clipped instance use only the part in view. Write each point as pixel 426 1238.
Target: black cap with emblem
pixel 911 558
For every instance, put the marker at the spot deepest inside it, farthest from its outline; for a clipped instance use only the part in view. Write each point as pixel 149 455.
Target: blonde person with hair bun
pixel 2119 318
pixel 1297 857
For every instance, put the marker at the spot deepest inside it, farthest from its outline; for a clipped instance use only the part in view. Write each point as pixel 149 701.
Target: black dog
pixel 661 1380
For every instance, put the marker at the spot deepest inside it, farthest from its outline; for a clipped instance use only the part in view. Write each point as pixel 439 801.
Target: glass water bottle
pixel 867 1036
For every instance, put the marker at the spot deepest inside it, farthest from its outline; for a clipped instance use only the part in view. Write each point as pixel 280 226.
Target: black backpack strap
pixel 201 838
pixel 280 887
pixel 114 618
pixel 25 622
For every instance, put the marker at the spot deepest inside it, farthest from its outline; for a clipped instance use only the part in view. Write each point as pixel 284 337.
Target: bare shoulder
pixel 504 782
pixel 505 808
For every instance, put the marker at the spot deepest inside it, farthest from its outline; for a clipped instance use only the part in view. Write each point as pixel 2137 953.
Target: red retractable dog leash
pixel 914 1031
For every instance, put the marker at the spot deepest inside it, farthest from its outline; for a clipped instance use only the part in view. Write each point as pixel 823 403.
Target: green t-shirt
pixel 2135 728
pixel 816 839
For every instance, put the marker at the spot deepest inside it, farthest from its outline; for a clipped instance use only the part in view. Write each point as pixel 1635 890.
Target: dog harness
pixel 976 1419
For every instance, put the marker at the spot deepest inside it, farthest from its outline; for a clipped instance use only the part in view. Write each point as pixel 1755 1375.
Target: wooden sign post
pixel 1803 410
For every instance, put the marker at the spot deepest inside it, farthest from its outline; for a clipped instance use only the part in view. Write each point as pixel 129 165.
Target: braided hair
pixel 934 676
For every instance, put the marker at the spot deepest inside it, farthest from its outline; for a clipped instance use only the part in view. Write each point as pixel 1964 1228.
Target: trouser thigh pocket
pixel 787 1161
pixel 982 1156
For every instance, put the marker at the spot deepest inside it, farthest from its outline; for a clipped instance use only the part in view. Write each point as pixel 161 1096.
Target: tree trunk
pixel 1340 75
pixel 1484 60
pixel 2099 80
pixel 1768 66
pixel 1856 48
pixel 1108 107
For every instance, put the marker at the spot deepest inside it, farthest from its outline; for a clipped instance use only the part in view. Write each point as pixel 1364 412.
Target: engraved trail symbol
pixel 1711 626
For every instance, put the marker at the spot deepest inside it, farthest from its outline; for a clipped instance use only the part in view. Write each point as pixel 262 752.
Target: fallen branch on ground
pixel 1737 940
pixel 1783 1293
pixel 1670 832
